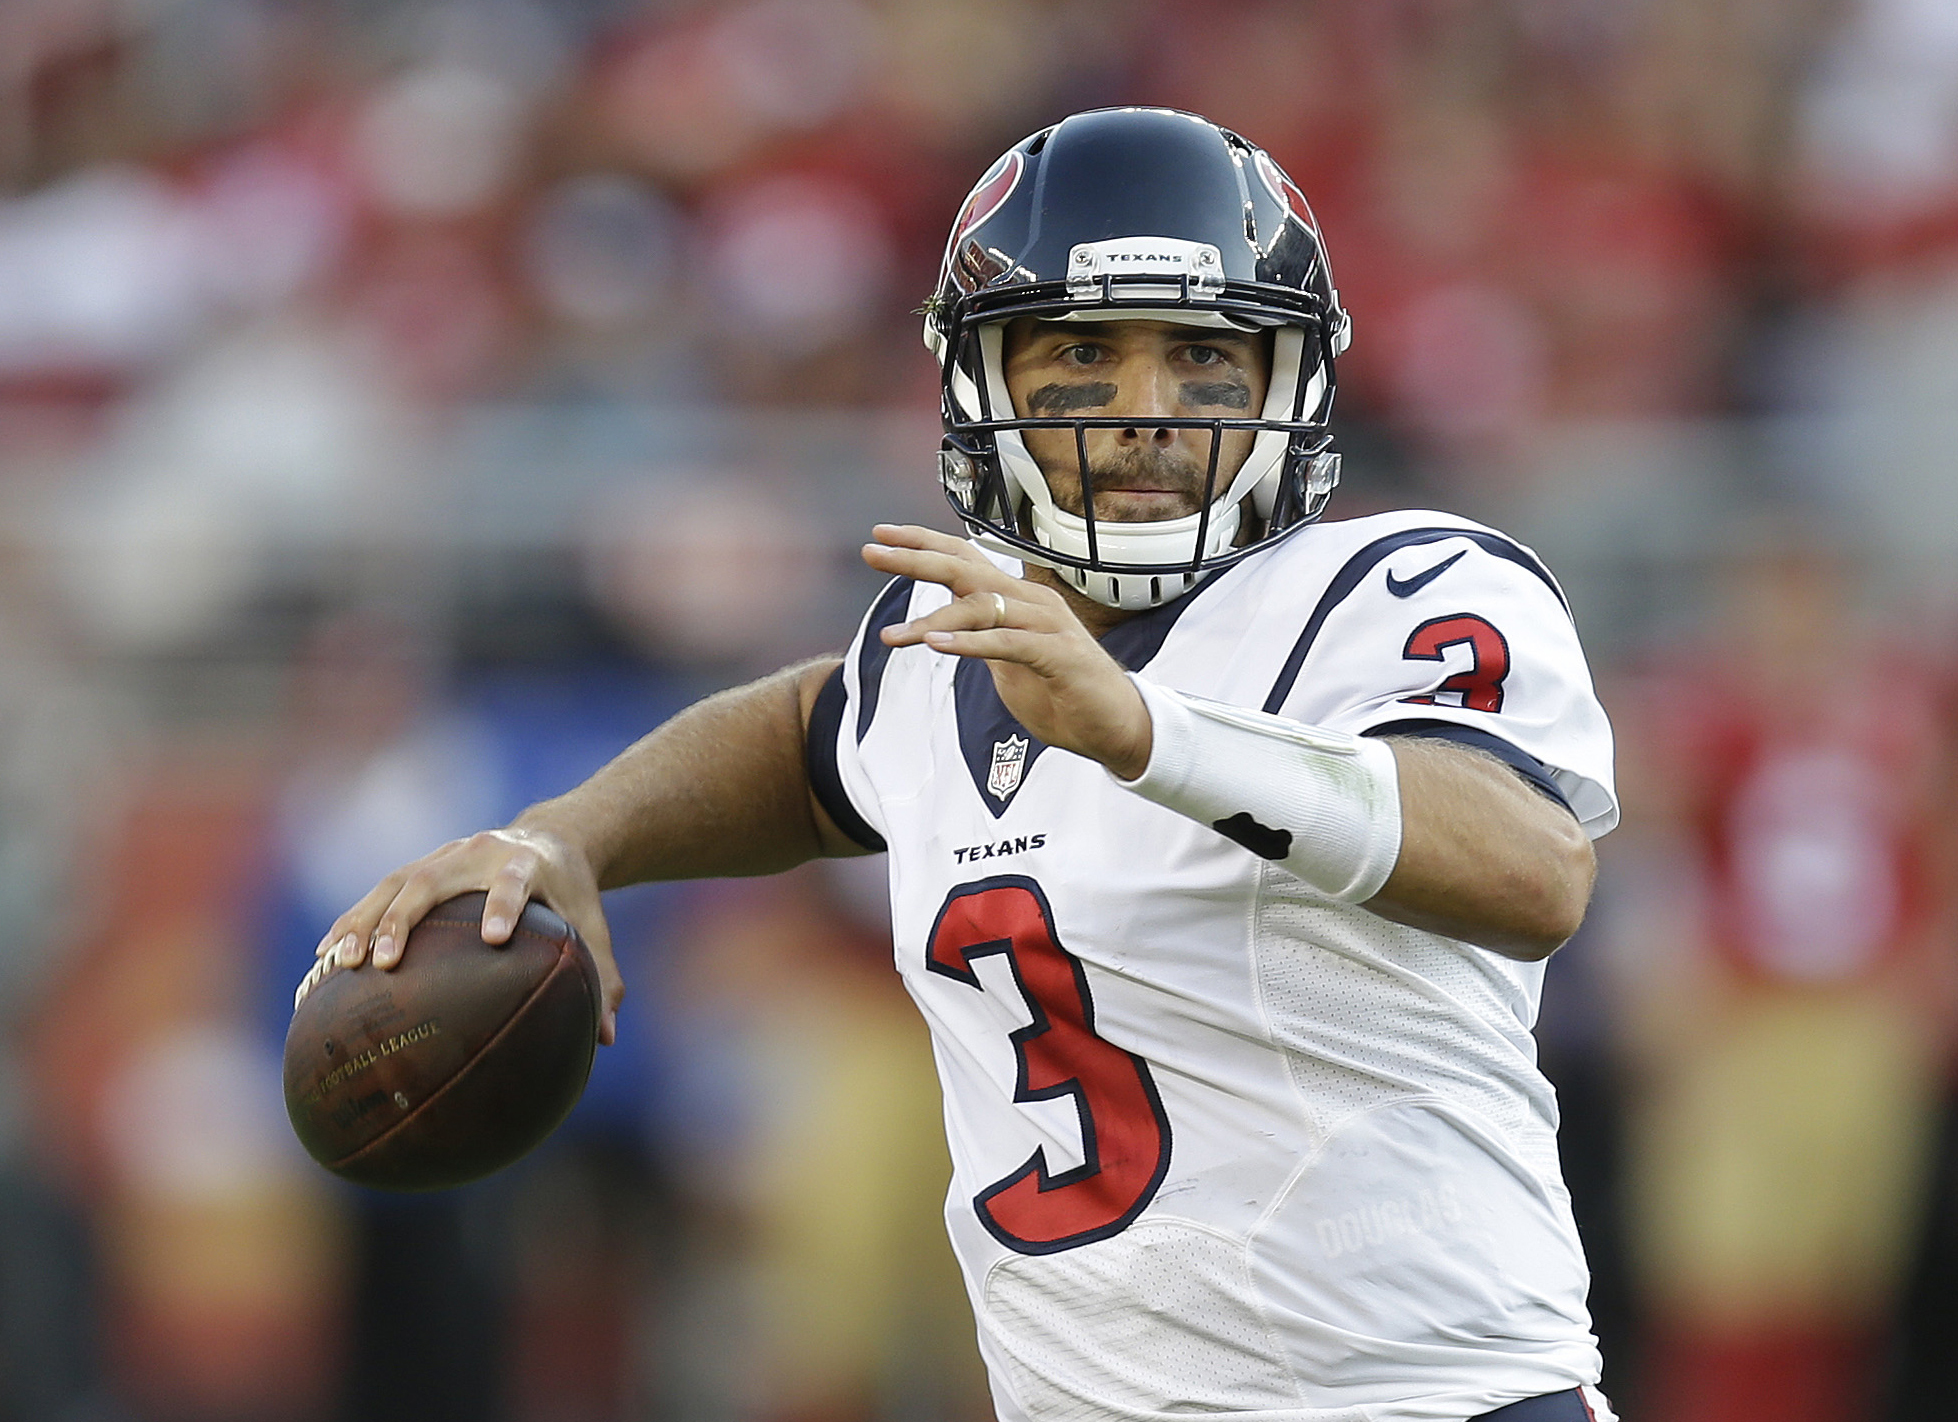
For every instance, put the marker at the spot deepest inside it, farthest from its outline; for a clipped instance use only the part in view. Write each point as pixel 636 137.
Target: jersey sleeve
pixel 1471 631
pixel 841 717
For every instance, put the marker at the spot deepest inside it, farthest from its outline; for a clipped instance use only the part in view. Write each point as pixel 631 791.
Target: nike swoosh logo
pixel 1420 580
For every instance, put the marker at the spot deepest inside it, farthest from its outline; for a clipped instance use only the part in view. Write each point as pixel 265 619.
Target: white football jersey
pixel 1220 1145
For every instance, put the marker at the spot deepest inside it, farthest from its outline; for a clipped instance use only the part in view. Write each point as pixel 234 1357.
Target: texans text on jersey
pixel 1020 844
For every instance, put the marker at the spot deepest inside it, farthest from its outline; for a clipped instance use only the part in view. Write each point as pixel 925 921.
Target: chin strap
pixel 1325 804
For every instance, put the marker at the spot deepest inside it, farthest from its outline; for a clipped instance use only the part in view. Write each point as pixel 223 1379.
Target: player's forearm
pixel 1422 832
pixel 719 790
pixel 1484 858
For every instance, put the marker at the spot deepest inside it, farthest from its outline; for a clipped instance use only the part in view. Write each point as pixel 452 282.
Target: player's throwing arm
pixel 718 790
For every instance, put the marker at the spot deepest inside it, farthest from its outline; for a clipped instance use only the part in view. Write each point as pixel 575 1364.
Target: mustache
pixel 1148 469
pixel 1147 466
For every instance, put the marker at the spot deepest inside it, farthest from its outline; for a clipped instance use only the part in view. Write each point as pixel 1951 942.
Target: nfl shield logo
pixel 1009 759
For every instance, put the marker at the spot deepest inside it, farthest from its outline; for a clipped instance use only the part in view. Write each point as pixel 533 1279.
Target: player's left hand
pixel 1050 671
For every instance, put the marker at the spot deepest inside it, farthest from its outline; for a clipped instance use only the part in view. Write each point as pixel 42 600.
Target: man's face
pixel 1138 370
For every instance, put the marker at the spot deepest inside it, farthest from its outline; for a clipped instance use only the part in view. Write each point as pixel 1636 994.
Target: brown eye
pixel 1205 355
pixel 1081 355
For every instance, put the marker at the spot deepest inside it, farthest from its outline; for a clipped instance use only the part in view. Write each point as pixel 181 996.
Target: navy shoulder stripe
pixel 1365 561
pixel 1533 771
pixel 825 780
pixel 873 655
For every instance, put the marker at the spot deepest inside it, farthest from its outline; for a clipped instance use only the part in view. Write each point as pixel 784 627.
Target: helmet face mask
pixel 1136 214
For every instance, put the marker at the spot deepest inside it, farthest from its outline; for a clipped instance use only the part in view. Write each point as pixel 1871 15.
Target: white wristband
pixel 1323 803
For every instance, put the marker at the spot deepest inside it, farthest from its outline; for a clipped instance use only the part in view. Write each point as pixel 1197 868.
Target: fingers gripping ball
pixel 452 1065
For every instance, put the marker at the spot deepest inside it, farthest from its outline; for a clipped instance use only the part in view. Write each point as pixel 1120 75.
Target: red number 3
pixel 1480 686
pixel 1124 1133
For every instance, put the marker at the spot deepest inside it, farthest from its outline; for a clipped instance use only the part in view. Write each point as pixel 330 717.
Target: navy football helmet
pixel 1136 213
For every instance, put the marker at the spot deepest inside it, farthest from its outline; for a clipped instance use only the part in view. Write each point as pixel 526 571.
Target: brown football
pixel 453 1064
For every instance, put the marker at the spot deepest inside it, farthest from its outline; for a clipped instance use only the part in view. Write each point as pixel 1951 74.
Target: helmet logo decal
pixel 987 198
pixel 1284 189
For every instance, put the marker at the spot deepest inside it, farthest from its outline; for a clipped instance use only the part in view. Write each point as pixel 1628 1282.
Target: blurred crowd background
pixel 405 405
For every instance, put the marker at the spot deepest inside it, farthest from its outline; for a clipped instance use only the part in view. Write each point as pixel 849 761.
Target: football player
pixel 1225 846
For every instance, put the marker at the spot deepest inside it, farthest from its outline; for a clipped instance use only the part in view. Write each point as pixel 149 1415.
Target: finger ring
pixel 999 609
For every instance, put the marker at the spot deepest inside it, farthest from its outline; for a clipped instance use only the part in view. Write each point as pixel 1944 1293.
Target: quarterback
pixel 1225 845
